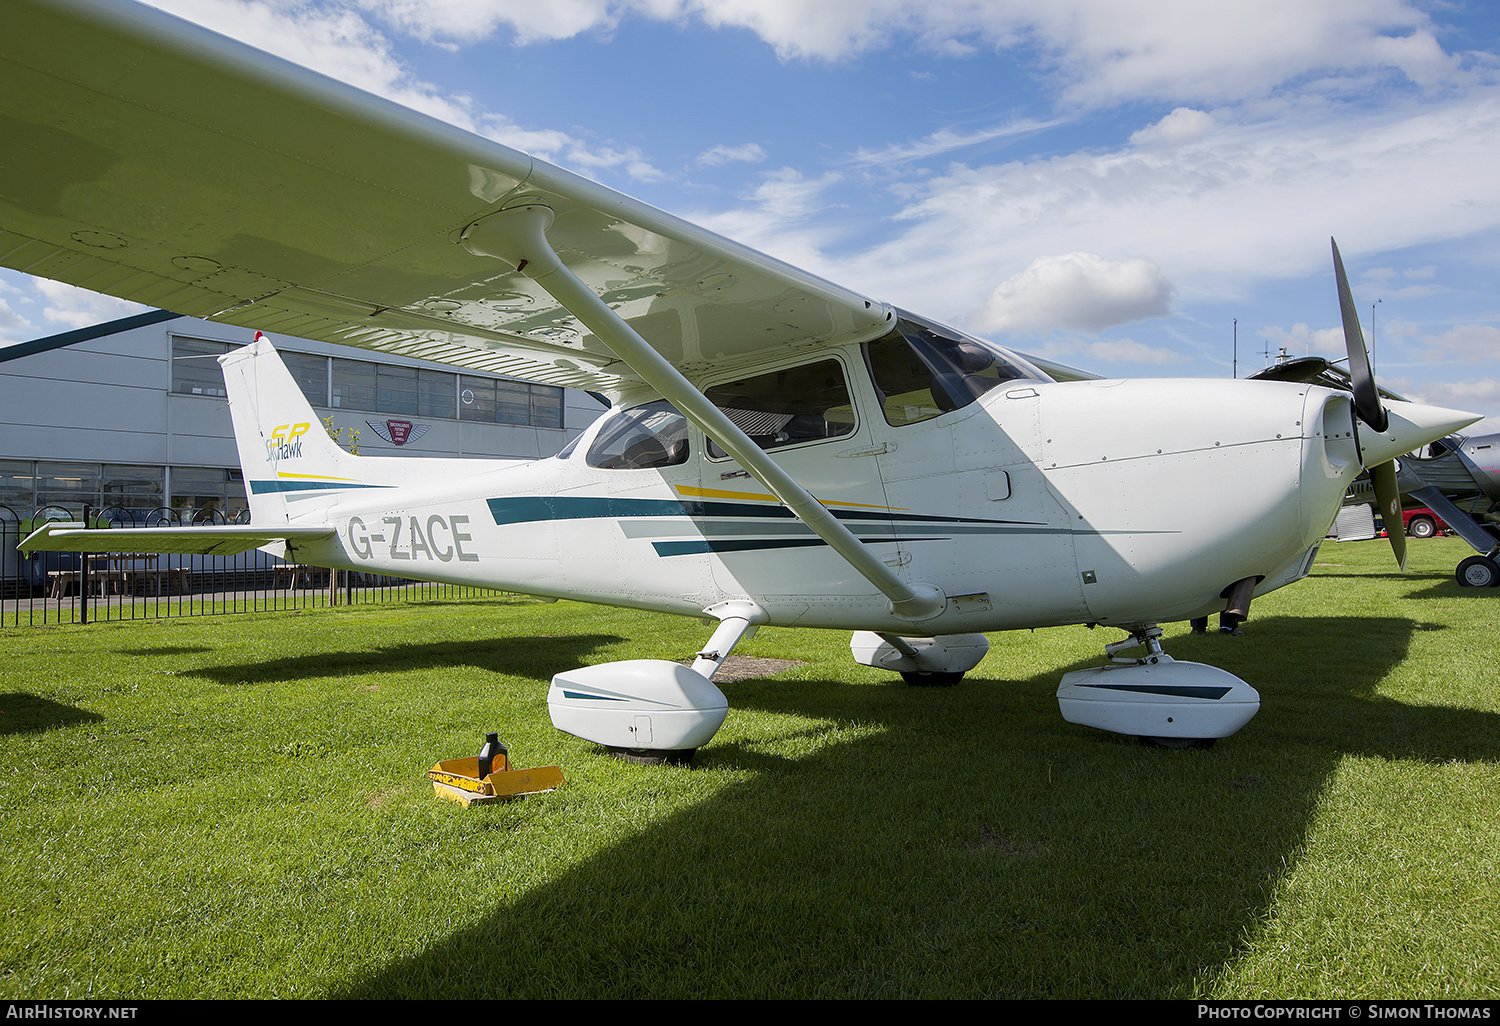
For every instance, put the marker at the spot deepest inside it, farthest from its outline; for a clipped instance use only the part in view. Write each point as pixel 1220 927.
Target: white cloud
pixel 1183 125
pixel 73 307
pixel 1079 291
pixel 1471 343
pixel 946 140
pixel 1100 50
pixel 1478 396
pixel 778 218
pixel 330 39
pixel 1253 198
pixel 1074 350
pixel 530 21
pixel 749 153
pixel 1228 50
pixel 13 327
pixel 1129 351
pixel 1300 340
pixel 333 40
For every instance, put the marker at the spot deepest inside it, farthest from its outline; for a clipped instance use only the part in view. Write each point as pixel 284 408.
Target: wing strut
pixel 518 236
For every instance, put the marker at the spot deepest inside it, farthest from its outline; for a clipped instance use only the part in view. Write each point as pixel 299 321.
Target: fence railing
pixel 45 588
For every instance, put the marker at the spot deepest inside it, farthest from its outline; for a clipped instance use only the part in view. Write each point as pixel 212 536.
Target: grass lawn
pixel 237 807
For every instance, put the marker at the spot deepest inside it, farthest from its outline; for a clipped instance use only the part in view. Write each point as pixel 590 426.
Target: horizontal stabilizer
pixel 210 540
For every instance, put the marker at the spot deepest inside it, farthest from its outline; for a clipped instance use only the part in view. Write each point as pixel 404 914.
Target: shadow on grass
pixel 165 650
pixel 1449 588
pixel 496 600
pixel 25 713
pixel 537 657
pixel 1392 575
pixel 964 842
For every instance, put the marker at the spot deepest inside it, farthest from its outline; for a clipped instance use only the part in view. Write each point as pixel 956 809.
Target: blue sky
pixel 1110 182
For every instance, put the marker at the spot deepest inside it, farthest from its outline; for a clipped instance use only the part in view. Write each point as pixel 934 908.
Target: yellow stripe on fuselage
pixel 316 477
pixel 720 493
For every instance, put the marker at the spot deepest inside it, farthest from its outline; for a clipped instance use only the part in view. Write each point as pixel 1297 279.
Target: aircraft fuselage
pixel 1044 503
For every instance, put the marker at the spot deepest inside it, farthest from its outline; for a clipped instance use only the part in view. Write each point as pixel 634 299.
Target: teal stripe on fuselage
pixel 528 509
pixel 525 509
pixel 700 546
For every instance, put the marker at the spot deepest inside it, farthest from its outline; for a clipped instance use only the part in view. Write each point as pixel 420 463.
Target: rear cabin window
pixel 642 437
pixel 809 403
pixel 922 372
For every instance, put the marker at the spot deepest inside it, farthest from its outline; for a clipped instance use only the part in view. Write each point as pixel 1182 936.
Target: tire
pixel 931 680
pixel 653 756
pixel 1421 527
pixel 1179 743
pixel 1478 572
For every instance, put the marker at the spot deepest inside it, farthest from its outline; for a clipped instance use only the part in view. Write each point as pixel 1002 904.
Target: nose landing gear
pixel 1155 697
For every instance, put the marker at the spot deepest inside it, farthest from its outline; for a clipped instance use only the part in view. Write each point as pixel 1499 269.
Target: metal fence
pixel 45 588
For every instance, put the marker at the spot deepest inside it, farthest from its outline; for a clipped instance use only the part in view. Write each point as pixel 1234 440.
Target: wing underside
pixel 156 161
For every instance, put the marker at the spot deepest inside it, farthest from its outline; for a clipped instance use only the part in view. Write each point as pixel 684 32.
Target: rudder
pixel 285 452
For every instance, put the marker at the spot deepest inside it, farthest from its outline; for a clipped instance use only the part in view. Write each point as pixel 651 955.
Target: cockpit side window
pixel 653 435
pixel 922 372
pixel 787 407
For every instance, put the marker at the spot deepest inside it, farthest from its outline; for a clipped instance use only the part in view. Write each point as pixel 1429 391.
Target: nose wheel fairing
pixel 1156 697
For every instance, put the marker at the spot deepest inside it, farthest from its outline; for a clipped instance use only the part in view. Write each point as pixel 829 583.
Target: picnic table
pixel 310 576
pixel 116 574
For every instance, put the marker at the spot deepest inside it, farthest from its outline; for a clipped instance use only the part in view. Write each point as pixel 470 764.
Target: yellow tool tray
pixel 459 780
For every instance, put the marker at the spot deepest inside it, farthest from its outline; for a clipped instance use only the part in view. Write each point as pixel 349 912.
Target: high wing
pixel 214 540
pixel 156 161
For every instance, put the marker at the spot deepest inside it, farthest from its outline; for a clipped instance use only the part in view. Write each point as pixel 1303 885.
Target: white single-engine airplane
pixel 781 451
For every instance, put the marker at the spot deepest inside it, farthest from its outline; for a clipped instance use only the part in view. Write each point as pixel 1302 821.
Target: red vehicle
pixel 1422 523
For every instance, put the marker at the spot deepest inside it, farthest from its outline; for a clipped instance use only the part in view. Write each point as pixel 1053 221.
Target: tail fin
pixel 285 452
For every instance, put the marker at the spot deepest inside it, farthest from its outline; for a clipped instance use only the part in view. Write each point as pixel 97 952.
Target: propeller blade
pixel 1388 499
pixel 1366 396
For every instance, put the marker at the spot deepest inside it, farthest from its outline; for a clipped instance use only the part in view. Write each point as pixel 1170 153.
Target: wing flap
pixel 210 540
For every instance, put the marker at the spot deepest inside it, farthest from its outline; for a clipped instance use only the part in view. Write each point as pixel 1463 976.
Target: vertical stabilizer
pixel 285 452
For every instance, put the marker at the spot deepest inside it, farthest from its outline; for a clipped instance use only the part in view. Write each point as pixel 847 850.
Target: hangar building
pixel 133 414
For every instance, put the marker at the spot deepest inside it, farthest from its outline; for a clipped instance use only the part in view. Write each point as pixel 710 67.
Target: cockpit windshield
pixel 642 437
pixel 922 370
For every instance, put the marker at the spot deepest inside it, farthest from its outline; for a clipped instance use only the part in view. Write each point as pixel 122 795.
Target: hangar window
pixel 653 435
pixel 195 366
pixel 922 371
pixel 198 489
pixel 497 401
pixel 809 403
pixel 311 374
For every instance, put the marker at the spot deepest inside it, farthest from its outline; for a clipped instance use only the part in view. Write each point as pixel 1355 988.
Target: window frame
pixel 936 377
pixel 604 433
pixel 710 447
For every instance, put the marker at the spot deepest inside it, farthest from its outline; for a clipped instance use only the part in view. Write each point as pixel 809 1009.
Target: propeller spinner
pixel 1369 409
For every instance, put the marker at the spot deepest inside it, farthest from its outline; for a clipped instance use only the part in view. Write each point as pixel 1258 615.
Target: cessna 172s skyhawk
pixel 781 451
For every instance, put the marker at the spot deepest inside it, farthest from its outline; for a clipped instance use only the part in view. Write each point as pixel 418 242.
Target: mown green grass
pixel 237 807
